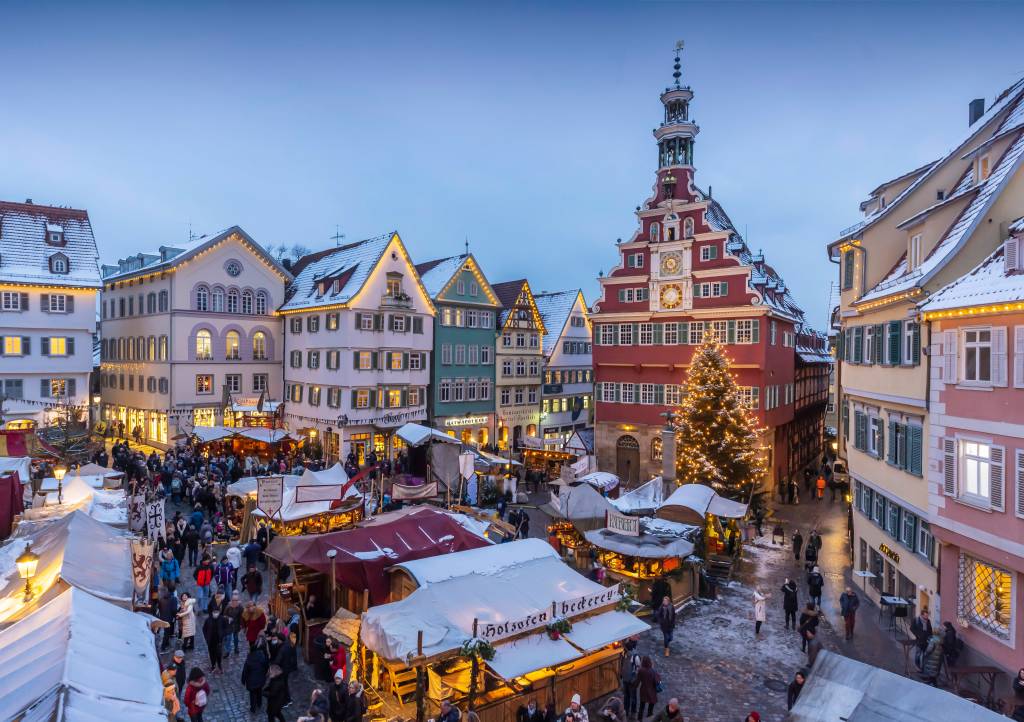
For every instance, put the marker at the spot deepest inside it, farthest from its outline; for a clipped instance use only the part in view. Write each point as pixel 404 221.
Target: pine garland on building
pixel 717 437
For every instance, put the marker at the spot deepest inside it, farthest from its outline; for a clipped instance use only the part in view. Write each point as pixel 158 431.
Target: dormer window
pixel 54 234
pixel 984 168
pixel 59 263
pixel 914 252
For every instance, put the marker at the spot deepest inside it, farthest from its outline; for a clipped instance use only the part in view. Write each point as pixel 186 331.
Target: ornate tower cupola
pixel 676 133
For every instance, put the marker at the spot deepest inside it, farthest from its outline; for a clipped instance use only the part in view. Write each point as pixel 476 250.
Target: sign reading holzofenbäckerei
pixel 494 631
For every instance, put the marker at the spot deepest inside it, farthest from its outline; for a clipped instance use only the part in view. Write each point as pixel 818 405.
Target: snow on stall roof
pixel 554 308
pixel 646 497
pixel 604 629
pixel 485 561
pixel 531 653
pixel 958 234
pixel 987 283
pixel 78 658
pixel 436 274
pixel 352 264
pixel 25 253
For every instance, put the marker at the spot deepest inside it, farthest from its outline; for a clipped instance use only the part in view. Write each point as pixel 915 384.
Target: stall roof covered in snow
pixel 472 524
pixel 646 497
pixel 332 476
pixel 987 283
pixel 418 434
pixel 840 688
pixel 691 502
pixel 600 480
pixel 582 504
pixel 485 561
pixel 80 659
pixel 365 552
pixel 645 546
pixel 81 493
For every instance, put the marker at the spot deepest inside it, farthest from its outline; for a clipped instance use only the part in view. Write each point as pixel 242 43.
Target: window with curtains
pixel 204 345
pixel 259 346
pixel 985 596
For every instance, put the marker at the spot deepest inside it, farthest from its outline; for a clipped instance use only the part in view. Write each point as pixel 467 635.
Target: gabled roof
pixel 987 283
pixel 507 293
pixel 438 275
pixel 901 279
pixel 555 309
pixel 25 254
pixel 170 256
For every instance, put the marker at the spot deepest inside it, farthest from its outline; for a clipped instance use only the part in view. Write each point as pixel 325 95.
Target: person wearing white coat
pixel 187 620
pixel 760 611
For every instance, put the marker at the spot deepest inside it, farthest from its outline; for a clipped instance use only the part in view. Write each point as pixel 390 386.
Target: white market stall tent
pixel 78 658
pixel 74 550
pixel 601 480
pixel 85 493
pixel 691 503
pixel 645 499
pixel 582 504
pixel 418 434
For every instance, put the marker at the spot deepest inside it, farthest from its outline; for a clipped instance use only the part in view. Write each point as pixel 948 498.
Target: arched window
pixel 656 448
pixel 204 345
pixel 259 346
pixel 231 348
pixel 232 301
pixel 261 303
pixel 58 263
pixel 152 349
pixel 218 299
pixel 655 229
pixel 151 303
pixel 247 302
pixel 688 228
pixel 163 301
pixel 202 299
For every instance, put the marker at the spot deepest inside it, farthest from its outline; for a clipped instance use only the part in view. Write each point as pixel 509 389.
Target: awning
pixel 604 629
pixel 645 546
pixel 267 436
pixel 343 627
pixel 248 406
pixel 418 434
pixel 530 654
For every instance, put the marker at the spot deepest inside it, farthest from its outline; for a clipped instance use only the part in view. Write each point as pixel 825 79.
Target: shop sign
pixel 269 494
pixel 466 421
pixel 622 524
pixel 884 548
pixel 581 605
pixel 495 631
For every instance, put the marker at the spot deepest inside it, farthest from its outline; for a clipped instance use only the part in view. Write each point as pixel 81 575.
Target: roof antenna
pixel 467 245
pixel 191 236
pixel 338 236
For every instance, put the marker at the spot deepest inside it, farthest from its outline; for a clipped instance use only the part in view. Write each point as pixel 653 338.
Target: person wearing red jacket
pixel 254 621
pixel 197 695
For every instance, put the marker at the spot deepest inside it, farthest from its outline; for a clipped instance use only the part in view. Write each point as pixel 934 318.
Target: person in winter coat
pixel 252 582
pixel 849 603
pixel 167 610
pixel 614 711
pixel 931 660
pixel 671 713
pixel 233 612
pixel 180 671
pixel 666 618
pixel 187 621
pixel 197 695
pixel 170 572
pixel 659 590
pixel 789 602
pixel 203 574
pixel 277 694
pixel 760 611
pixel 810 555
pixel 531 712
pixel 813 647
pixel 755 716
pixel 224 575
pixel 577 710
pixel 254 674
pixel 191 538
pixel 647 687
pixel 795 688
pixel 287 659
pixel 234 556
pixel 448 712
pixel 628 670
pixel 337 698
pixel 356 702
pixel 798 542
pixel 215 629
pixel 921 628
pixel 254 621
pixel 196 519
pixel 170 699
pixel 951 644
pixel 815 581
pixel 809 619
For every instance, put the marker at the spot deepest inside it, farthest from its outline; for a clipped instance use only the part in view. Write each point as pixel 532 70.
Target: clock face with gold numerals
pixel 671 296
pixel 670 263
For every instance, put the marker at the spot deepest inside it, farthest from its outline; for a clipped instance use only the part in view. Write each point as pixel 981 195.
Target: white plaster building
pixel 567 395
pixel 189 335
pixel 358 336
pixel 49 277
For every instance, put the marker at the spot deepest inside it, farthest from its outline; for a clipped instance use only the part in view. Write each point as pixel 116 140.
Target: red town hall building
pixel 686 272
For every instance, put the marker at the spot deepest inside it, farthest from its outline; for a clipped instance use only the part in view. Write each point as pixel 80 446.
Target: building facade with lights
pixel 359 330
pixel 461 399
pixel 189 337
pixel 49 281
pixel 976 427
pixel 519 357
pixel 567 395
pixel 687 271
pixel 921 231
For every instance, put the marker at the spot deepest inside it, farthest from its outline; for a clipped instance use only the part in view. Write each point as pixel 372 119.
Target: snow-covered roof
pixel 416 434
pixel 900 279
pixel 645 546
pixel 987 283
pixel 80 659
pixel 600 480
pixel 581 439
pixel 646 497
pixel 349 265
pixel 486 561
pixel 690 502
pixel 169 256
pixel 436 274
pixel 333 476
pixel 555 308
pixel 25 253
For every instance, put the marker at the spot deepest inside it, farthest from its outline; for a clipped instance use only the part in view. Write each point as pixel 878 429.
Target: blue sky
pixel 526 128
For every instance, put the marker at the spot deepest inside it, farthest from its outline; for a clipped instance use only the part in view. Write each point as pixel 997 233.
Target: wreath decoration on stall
pixel 477 647
pixel 627 598
pixel 558 627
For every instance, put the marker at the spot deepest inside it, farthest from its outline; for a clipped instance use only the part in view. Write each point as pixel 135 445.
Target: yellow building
pixel 920 231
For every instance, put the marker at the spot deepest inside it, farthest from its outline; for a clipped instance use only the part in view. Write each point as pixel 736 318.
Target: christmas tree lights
pixel 717 436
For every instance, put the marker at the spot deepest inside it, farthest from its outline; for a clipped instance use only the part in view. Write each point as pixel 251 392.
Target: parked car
pixel 840 474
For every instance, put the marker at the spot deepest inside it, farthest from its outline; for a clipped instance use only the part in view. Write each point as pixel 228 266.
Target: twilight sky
pixel 525 128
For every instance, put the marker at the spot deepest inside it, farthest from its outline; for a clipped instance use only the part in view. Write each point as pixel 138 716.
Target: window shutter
pixel 622 295
pixel 617 388
pixel 70 345
pixel 417 324
pixel 391 322
pixel 949 356
pixel 1018 357
pixel 658 333
pixel 894 343
pixel 915 346
pixel 405 361
pixel 840 345
pixel 659 393
pixel 848 270
pixel 359 321
pixel 890 455
pixel 1011 255
pixel 858 441
pixel 44 388
pixel 846 421
pixel 723 288
pixel 24 302
pixel 914 449
pixel 405 397
pixel 999 355
pixel 44 345
pixel 71 388
pixel 902 451
pixel 1019 477
pixel 995 474
pixel 949 467
pixel 636 334
pixel 408 324
pixel 26 345
pixel 731 331
pixel 378 322
pixel 44 303
pixel 375 361
pixel 684 332
pixel 756 330
pixel 858 344
pixel 373 399
pixel 880 442
pixel 69 304
pixel 878 348
pixel 355 360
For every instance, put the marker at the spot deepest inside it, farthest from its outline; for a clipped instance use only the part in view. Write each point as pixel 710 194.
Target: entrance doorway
pixel 627 459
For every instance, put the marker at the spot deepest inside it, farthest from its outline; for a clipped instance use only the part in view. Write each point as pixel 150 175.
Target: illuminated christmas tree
pixel 717 437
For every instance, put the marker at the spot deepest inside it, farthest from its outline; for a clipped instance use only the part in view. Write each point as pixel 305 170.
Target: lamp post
pixel 331 554
pixel 27 562
pixel 58 473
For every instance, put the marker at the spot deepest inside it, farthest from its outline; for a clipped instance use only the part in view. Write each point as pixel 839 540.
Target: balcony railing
pixel 402 300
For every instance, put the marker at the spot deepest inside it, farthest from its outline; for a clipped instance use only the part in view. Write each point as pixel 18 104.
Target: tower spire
pixel 676 73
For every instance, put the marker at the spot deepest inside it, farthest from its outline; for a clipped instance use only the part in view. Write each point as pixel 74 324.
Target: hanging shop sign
pixel 495 631
pixel 269 494
pixel 622 524
pixel 466 421
pixel 892 554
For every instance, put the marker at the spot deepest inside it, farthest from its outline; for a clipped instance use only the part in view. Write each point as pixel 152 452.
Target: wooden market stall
pixel 575 509
pixel 303 569
pixel 548 462
pixel 700 505
pixel 547 631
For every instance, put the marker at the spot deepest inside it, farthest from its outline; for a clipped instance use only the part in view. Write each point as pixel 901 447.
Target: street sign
pixel 269 494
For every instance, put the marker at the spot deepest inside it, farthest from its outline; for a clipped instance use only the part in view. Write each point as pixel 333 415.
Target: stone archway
pixel 627 459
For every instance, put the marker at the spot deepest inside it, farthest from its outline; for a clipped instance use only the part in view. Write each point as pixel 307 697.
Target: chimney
pixel 975 110
pixel 28 201
pixel 287 263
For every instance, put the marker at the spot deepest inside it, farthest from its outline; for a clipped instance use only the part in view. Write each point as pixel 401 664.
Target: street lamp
pixel 27 562
pixel 58 473
pixel 331 554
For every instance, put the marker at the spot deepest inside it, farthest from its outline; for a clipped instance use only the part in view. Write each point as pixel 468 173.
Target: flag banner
pixel 155 519
pixel 142 568
pixel 137 513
